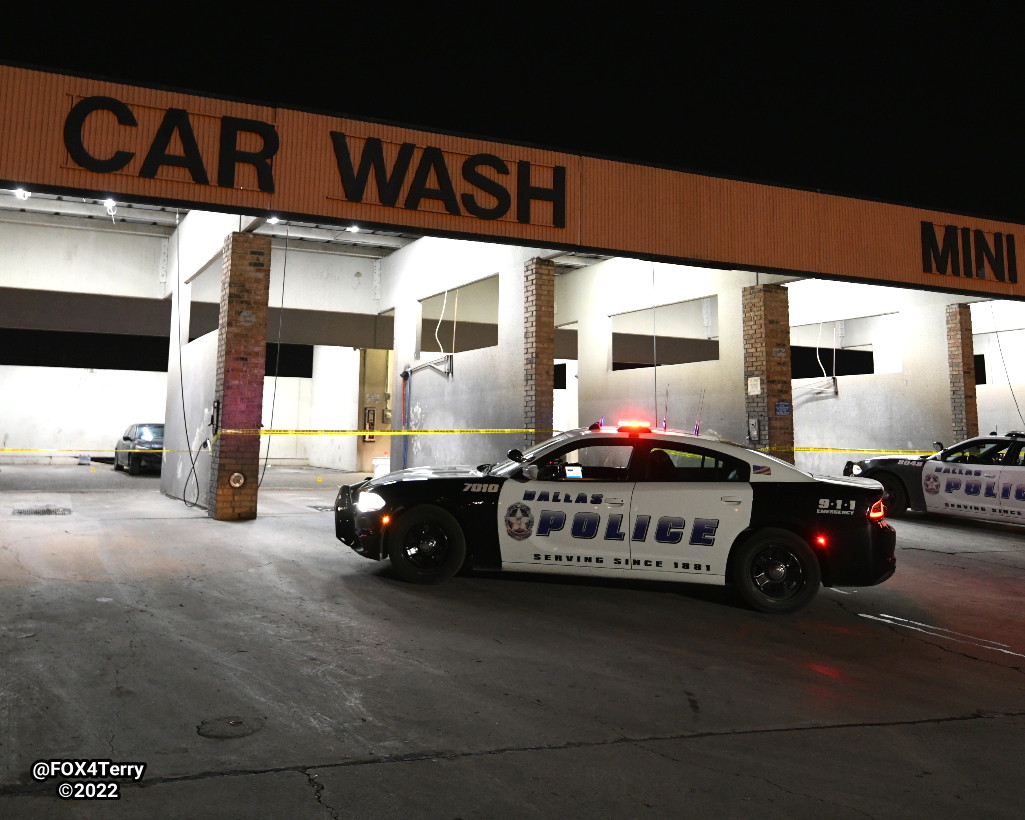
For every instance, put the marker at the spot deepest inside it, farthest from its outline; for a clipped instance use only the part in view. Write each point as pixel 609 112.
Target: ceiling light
pixel 21 193
pixel 353 229
pixel 273 220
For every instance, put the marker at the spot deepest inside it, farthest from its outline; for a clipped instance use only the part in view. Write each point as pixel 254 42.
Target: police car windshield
pixel 506 468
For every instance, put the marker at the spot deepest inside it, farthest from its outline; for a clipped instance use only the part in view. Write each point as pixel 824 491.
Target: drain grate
pixel 48 510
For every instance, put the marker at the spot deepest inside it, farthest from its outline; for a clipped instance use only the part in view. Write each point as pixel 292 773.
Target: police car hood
pixel 893 459
pixel 425 474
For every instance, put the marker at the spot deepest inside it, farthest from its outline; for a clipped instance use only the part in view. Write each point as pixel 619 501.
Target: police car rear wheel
pixel 426 546
pixel 776 571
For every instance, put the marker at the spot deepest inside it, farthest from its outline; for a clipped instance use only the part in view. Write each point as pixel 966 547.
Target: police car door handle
pixel 614 502
pixel 728 499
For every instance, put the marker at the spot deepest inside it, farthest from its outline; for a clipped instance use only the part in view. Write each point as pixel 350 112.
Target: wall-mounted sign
pixel 90 137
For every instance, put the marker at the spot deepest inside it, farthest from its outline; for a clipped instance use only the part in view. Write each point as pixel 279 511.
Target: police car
pixel 982 477
pixel 629 502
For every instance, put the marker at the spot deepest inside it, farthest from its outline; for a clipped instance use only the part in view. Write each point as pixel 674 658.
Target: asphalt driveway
pixel 261 669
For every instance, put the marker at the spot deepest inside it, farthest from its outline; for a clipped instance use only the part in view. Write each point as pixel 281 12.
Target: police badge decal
pixel 519 521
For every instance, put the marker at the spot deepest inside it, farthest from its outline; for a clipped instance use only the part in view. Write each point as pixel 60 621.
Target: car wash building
pixel 296 287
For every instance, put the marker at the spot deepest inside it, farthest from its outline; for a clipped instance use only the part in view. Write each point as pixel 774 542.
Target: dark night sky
pixel 916 103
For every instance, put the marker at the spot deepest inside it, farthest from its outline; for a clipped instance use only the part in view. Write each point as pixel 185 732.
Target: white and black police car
pixel 629 502
pixel 981 477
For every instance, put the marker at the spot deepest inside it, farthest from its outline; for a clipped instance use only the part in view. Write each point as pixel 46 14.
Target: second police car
pixel 629 502
pixel 981 477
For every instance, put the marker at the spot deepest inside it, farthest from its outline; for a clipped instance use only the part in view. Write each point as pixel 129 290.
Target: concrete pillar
pixel 768 398
pixel 538 349
pixel 241 365
pixel 961 364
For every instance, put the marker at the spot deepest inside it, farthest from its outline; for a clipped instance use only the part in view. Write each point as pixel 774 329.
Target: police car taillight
pixel 877 511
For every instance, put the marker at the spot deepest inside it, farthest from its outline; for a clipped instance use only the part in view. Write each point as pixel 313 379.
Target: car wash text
pixel 969 253
pixel 404 175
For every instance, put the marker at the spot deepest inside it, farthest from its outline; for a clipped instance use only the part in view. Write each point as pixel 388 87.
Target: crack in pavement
pixel 414 757
pixel 318 792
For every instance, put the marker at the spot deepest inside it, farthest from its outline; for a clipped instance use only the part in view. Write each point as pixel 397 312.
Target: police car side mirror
pixel 530 472
pixel 515 455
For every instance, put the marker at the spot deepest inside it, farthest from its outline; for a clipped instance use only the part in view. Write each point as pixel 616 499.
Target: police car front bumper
pixel 363 531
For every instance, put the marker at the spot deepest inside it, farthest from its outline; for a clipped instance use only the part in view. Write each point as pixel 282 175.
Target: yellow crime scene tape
pixel 448 432
pixel 254 432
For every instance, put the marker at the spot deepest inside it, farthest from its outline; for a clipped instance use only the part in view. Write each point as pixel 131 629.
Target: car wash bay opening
pixel 469 259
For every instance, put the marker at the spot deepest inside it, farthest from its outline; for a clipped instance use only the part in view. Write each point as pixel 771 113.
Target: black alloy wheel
pixel 427 545
pixel 776 571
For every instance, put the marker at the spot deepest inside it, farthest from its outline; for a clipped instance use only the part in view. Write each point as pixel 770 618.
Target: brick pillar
pixel 538 349
pixel 241 364
pixel 768 397
pixel 961 365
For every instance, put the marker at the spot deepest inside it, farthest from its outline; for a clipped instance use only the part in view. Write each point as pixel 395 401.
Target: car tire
pixel 426 546
pixel 133 465
pixel 776 571
pixel 895 497
pixel 116 465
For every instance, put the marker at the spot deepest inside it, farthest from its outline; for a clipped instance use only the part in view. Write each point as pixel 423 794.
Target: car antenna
pixel 697 418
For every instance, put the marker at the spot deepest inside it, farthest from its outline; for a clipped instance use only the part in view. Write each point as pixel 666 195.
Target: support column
pixel 241 365
pixel 767 375
pixel 538 349
pixel 961 364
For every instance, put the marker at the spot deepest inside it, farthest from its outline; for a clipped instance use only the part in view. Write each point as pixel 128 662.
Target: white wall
pixel 565 415
pixel 287 405
pixel 999 329
pixel 906 409
pixel 81 257
pixel 188 414
pixel 710 392
pixel 334 405
pixel 313 280
pixel 486 389
pixel 78 411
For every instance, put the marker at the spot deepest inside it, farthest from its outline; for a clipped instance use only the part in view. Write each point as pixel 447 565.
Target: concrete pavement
pixel 261 669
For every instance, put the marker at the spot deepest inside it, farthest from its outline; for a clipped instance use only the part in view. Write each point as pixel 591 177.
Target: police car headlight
pixel 369 502
pixel 855 469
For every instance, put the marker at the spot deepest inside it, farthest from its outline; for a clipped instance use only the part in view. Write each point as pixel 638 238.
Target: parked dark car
pixel 140 448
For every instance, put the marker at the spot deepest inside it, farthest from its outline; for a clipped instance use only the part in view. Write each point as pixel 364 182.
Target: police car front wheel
pixel 895 497
pixel 426 546
pixel 776 571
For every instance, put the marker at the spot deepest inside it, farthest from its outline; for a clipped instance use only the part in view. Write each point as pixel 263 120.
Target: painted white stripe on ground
pixel 938 632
